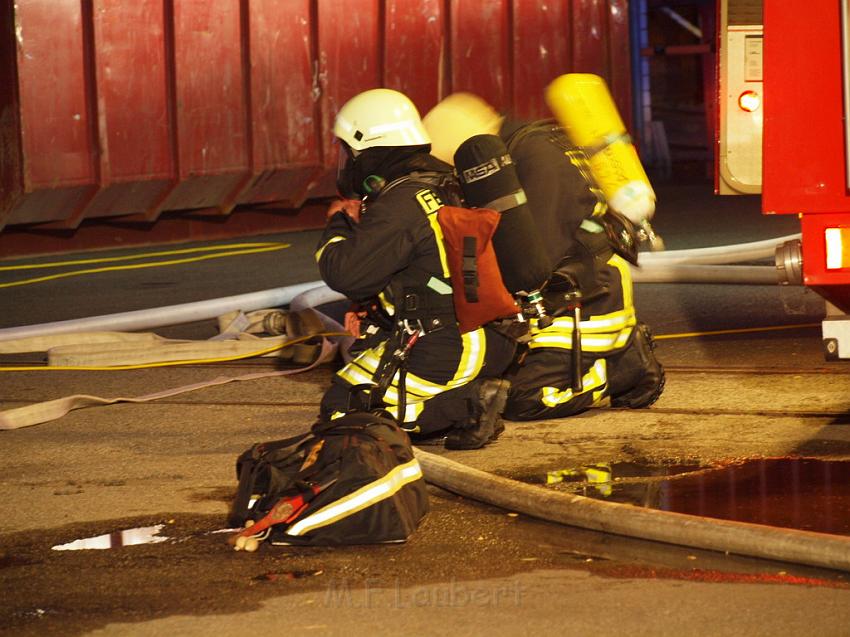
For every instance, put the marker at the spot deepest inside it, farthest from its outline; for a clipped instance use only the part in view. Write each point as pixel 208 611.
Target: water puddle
pixel 800 493
pixel 116 539
pixel 598 479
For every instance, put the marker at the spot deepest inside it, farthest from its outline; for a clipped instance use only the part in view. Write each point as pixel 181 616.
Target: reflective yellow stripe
pixel 414 395
pixel 412 410
pixel 364 497
pixel 594 380
pixel 441 248
pixel 625 279
pixel 369 359
pixel 385 303
pixel 354 375
pixel 321 250
pixel 600 333
pixel 612 322
pixel 471 362
pixel 362 370
pixel 472 359
pixel 600 207
pixel 418 390
pixel 593 343
pixel 415 388
pixel 431 204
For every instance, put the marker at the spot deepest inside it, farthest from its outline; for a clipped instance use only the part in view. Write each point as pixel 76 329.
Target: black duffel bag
pixel 352 480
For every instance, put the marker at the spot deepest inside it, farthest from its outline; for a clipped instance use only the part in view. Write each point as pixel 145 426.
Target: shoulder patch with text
pixel 429 201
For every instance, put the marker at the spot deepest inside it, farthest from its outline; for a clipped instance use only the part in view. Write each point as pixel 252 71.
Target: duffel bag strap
pixel 247 467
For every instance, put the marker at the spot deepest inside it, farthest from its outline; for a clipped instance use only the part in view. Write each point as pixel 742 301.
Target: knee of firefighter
pixel 523 404
pixel 464 406
pixel 452 408
pixel 533 408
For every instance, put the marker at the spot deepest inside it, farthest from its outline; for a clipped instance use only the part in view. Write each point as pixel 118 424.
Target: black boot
pixel 650 385
pixel 488 425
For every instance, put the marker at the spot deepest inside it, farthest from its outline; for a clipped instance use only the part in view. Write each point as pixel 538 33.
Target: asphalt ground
pixel 470 568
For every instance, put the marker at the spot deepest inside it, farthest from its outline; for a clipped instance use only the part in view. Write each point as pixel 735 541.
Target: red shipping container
pixel 112 108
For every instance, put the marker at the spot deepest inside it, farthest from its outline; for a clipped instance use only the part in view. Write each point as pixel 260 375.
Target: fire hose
pixel 802 547
pixel 703 265
pixel 755 540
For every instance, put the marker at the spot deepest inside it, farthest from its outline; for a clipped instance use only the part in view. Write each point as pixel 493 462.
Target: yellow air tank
pixel 585 109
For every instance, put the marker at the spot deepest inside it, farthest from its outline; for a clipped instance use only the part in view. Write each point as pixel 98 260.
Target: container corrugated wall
pixel 135 107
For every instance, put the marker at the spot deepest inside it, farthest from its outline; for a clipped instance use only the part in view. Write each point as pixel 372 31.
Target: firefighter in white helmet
pixel 388 256
pixel 616 352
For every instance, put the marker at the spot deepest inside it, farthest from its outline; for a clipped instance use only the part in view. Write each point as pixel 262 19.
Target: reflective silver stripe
pixel 412 410
pixel 472 359
pixel 362 370
pixel 364 497
pixel 508 202
pixel 355 376
pixel 368 360
pixel 602 323
pixel 595 378
pixel 625 279
pixel 589 343
pixel 440 287
pixel 591 226
pixel 418 390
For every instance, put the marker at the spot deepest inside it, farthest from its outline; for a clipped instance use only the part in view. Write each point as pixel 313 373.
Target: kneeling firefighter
pixel 389 256
pixel 591 346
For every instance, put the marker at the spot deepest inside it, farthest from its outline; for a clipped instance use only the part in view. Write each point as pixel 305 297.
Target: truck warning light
pixel 749 101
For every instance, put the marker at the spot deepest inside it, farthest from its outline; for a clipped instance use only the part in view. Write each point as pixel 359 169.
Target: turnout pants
pixel 441 379
pixel 542 385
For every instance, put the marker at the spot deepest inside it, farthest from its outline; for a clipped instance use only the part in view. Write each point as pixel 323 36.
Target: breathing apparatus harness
pixel 418 310
pixel 572 283
pixel 624 237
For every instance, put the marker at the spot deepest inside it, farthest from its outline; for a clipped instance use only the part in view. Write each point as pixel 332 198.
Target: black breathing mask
pixel 345 172
pixel 364 173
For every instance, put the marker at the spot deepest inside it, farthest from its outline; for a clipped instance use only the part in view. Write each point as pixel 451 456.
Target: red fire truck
pixel 784 132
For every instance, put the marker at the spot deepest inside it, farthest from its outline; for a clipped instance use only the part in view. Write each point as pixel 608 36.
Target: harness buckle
pixel 412 327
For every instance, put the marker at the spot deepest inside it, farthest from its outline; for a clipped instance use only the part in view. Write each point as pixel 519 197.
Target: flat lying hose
pixel 113 355
pixel 37 413
pixel 44 343
pixel 238 337
pixel 786 545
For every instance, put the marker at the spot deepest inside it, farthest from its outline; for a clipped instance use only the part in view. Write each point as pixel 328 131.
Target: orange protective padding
pixel 494 300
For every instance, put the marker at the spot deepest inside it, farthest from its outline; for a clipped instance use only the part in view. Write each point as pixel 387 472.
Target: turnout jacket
pixel 561 192
pixel 396 253
pixel 397 245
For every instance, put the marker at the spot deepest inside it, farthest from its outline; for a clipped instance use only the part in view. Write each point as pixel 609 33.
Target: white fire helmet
pixel 380 117
pixel 457 118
